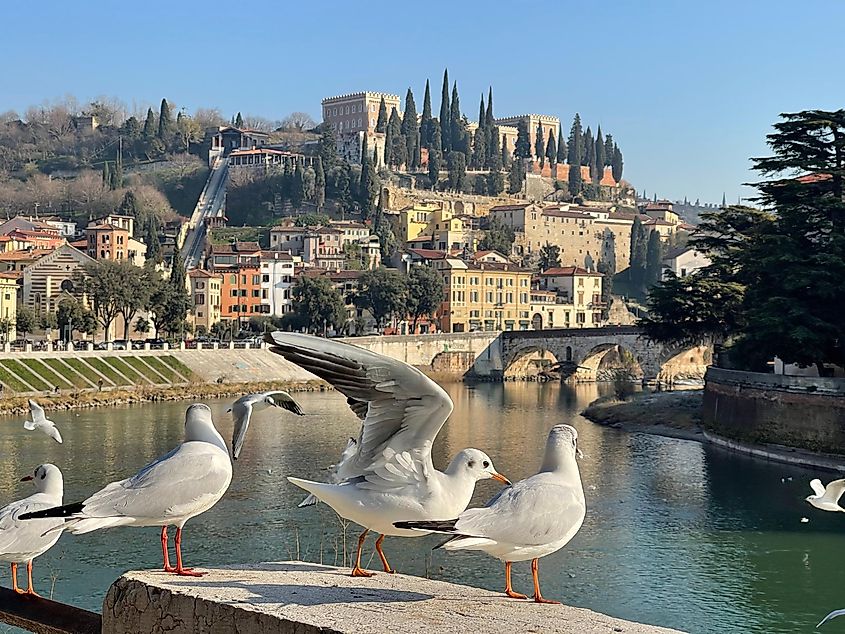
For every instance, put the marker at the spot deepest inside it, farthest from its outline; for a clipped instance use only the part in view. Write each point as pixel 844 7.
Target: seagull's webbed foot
pixel 357 571
pixel 188 572
pixel 538 598
pixel 515 595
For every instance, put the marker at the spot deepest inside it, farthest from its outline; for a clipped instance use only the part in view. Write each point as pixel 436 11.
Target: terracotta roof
pixel 202 273
pixel 566 214
pixel 496 266
pixel 428 254
pixel 105 227
pixel 34 254
pixel 567 270
pixel 421 239
pixel 11 275
pixel 657 221
pixel 510 207
pixel 261 150
pixel 235 247
pixel 79 244
pixel 275 255
pixel 481 254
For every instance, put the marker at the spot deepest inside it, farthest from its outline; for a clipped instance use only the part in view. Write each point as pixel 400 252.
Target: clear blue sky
pixel 688 89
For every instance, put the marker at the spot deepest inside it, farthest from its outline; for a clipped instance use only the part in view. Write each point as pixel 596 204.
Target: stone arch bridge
pixel 498 354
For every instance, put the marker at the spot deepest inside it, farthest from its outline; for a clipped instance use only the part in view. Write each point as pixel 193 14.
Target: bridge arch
pixel 609 358
pixel 529 362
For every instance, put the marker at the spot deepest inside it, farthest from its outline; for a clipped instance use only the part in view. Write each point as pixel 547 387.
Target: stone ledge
pixel 301 598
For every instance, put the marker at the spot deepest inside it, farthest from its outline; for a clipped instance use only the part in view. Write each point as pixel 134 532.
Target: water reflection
pixel 676 534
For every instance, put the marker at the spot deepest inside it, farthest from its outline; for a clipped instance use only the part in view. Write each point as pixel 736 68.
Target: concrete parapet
pixel 301 598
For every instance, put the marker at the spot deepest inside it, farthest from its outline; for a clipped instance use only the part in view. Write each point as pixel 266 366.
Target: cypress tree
pixel 516 176
pixel 319 184
pixel 495 179
pixel 551 149
pixel 654 259
pixel 539 145
pixel 381 123
pixel 561 147
pixel 367 185
pixel 490 120
pixel 116 176
pixel 239 121
pixel 479 149
pixel 398 147
pixel 458 133
pixel 149 125
pixel 574 179
pixel 445 116
pixel 435 154
pixel 151 238
pixel 426 122
pixel 639 251
pixel 589 150
pixel 506 153
pixel 411 132
pixel 482 115
pixel 523 141
pixel 165 122
pixel 491 129
pixel 575 152
pixel 177 274
pixel 297 189
pixel 616 164
pixel 388 143
pixel 107 181
pixel 600 158
pixel 608 150
pixel 457 165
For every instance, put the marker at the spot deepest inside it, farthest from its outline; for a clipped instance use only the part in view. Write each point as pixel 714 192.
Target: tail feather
pixel 57 511
pixel 311 500
pixel 82 525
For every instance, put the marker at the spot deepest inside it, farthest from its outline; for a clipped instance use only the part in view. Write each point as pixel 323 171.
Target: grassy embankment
pixel 674 414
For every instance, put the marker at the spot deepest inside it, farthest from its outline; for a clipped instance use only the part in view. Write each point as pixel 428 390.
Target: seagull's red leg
pixel 535 571
pixel 15 579
pixel 165 554
pixel 508 588
pixel 29 589
pixel 380 552
pixel 357 571
pixel 180 569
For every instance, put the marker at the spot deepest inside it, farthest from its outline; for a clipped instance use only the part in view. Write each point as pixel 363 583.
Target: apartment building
pixel 277 278
pixel 567 297
pixel 238 264
pixel 206 289
pixel 432 225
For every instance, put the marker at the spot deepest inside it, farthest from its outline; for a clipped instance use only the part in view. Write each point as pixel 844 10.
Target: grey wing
pixel 405 409
pixel 37 412
pixel 11 527
pixel 832 615
pixel 52 431
pixel 527 513
pixel 241 414
pixel 173 486
pixel 285 401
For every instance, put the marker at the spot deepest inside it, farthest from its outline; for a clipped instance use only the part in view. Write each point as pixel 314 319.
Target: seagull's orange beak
pixel 26 478
pixel 500 478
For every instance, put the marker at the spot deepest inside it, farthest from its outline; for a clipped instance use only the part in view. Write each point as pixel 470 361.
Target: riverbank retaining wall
pixel 796 411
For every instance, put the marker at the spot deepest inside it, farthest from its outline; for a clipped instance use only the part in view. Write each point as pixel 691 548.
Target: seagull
pixel 339 472
pixel 389 475
pixel 832 615
pixel 826 499
pixel 41 422
pixel 242 412
pixel 531 519
pixel 21 542
pixel 178 486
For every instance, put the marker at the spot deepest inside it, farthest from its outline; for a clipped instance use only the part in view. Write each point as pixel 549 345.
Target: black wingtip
pixel 56 511
pixel 446 526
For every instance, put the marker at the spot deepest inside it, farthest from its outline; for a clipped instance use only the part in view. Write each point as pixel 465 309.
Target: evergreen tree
pixel 523 141
pixel 107 180
pixel 368 187
pixel 445 116
pixel 539 145
pixel 495 182
pixel 616 164
pixel 151 238
pixel 327 146
pixel 608 150
pixel 600 158
pixel 426 121
pixel 435 155
pixel 117 173
pixel 639 254
pixel 411 131
pixel 457 171
pixel 549 256
pixel 297 190
pixel 575 152
pixel 479 149
pixel 479 185
pixel 457 133
pixel 165 122
pixel 381 122
pixel 654 259
pixel 506 154
pixel 574 179
pixel 129 205
pixel 395 142
pixel 482 115
pixel 319 183
pixel 551 149
pixel 491 129
pixel 589 149
pixel 561 147
pixel 149 125
pixel 516 176
pixel 239 121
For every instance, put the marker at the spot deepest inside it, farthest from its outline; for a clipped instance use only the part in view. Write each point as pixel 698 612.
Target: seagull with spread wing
pixel 390 476
pixel 533 518
pixel 242 413
pixel 168 492
pixel 826 498
pixel 21 542
pixel 41 422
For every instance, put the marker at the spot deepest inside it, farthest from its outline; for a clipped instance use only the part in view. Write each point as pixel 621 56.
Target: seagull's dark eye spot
pixel 486 464
pixel 43 475
pixel 471 464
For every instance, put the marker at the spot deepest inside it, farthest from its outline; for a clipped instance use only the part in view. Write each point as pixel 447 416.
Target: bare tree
pixel 299 121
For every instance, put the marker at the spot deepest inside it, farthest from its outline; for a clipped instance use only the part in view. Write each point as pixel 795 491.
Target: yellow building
pixel 484 295
pixel 431 225
pixel 205 298
pixel 9 303
pixel 567 297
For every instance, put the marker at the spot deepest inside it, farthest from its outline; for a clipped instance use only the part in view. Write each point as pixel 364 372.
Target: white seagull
pixel 531 519
pixel 41 422
pixel 390 476
pixel 827 498
pixel 178 486
pixel 339 472
pixel 21 542
pixel 242 411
